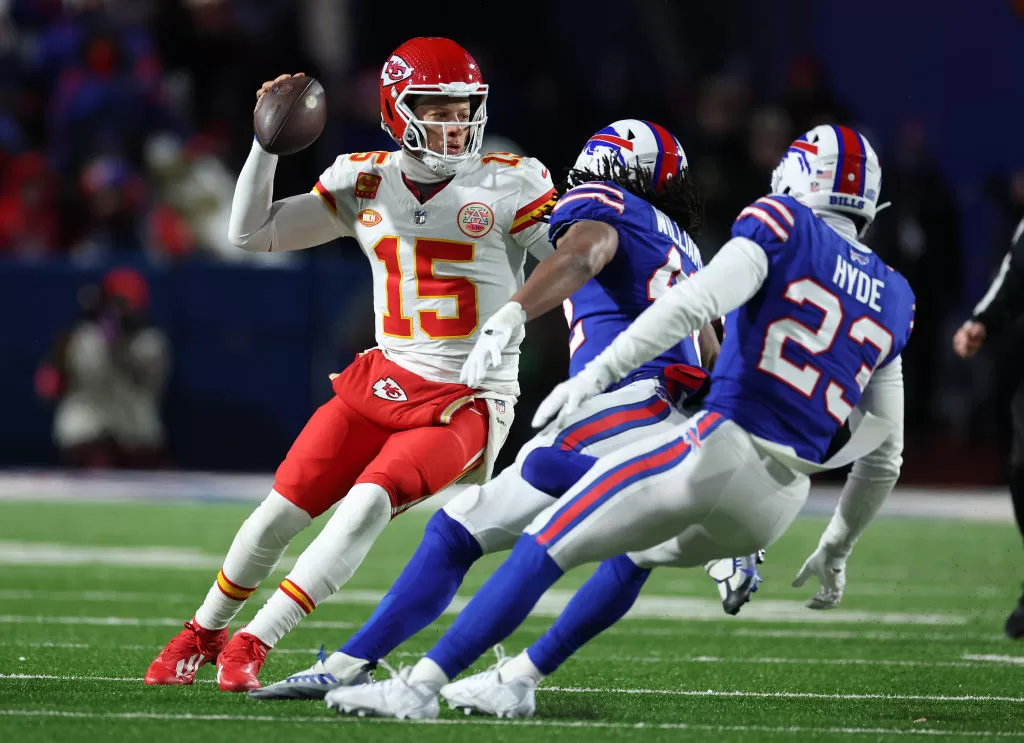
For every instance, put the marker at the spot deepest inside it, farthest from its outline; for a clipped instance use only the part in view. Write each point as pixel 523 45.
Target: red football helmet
pixel 432 66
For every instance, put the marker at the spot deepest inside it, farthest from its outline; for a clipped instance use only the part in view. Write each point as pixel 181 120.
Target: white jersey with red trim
pixel 441 268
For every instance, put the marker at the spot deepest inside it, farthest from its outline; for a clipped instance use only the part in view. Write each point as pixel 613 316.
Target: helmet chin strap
pixel 426 168
pixel 429 166
pixel 442 167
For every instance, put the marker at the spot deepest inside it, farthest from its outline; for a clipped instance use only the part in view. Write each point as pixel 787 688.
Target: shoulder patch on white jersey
pixel 536 196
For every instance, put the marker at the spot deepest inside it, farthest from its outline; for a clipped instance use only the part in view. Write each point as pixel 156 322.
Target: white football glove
pixel 566 398
pixel 831 572
pixel 494 336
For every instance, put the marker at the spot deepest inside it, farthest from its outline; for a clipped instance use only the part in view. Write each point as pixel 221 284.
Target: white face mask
pixel 416 133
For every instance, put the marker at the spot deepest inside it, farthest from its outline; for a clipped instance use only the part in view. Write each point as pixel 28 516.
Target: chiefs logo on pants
pixel 388 426
pixel 389 389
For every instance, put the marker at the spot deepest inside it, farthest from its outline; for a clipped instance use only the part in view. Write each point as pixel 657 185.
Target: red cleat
pixel 185 654
pixel 240 662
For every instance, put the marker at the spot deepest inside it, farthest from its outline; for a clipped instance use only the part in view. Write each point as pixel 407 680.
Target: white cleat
pixel 737 579
pixel 395 697
pixel 487 694
pixel 329 672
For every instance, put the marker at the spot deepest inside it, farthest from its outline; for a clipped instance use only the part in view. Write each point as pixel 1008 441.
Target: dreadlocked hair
pixel 678 198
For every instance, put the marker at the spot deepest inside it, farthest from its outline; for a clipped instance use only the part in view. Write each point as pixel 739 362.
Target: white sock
pixel 339 663
pixel 327 563
pixel 520 668
pixel 253 555
pixel 428 672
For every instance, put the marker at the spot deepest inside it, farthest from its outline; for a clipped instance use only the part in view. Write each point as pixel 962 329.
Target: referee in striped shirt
pixel 997 311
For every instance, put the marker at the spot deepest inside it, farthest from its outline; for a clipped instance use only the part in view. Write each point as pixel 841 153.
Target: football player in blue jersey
pixel 815 324
pixel 620 228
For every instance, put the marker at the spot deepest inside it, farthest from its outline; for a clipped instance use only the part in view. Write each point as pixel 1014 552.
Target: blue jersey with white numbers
pixel 796 356
pixel 652 255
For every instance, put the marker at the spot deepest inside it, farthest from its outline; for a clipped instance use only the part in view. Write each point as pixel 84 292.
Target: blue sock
pixel 498 608
pixel 422 592
pixel 599 604
pixel 554 471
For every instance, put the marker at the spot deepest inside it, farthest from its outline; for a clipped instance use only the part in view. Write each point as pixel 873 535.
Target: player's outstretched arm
pixel 1002 304
pixel 869 483
pixel 260 224
pixel 583 250
pixel 732 277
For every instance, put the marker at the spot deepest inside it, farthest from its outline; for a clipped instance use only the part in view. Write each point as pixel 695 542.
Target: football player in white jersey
pixel 446 230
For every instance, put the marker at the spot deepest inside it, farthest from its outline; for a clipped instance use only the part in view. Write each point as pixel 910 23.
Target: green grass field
pixel 91 591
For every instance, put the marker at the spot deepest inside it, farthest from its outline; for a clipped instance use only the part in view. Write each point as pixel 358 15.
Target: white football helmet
pixel 832 168
pixel 633 142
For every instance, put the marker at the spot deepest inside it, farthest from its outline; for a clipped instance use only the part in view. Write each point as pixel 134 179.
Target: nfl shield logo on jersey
pixel 476 219
pixel 388 389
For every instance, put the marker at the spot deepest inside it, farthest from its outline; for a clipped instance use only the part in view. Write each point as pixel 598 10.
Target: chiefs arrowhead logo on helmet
pixel 395 71
pixel 439 69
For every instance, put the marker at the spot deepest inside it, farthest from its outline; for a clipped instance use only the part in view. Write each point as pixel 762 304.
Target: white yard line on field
pixel 596 656
pixel 650 606
pixel 631 629
pixel 738 693
pixel 809 634
pixel 786 694
pixel 141 622
pixel 489 722
pixel 1013 659
pixel 102 597
pixel 983 505
pixel 39 554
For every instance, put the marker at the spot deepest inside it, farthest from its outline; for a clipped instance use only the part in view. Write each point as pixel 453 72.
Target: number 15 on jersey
pixel 426 251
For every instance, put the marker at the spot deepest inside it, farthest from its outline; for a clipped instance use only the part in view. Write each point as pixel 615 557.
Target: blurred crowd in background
pixel 123 124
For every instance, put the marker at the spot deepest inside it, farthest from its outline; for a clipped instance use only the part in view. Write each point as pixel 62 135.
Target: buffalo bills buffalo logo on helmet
pixel 610 143
pixel 395 71
pixel 476 219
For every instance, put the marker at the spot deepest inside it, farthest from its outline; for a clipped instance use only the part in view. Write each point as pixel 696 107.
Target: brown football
pixel 290 116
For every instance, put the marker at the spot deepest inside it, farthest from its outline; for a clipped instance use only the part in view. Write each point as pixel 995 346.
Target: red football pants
pixel 387 426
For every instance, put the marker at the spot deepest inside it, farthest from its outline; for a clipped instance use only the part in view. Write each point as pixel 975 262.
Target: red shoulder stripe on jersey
pixel 327 196
pixel 599 187
pixel 616 205
pixel 764 217
pixel 528 214
pixel 534 205
pixel 779 207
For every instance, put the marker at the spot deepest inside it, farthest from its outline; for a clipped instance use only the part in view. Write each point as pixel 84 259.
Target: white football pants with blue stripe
pixel 496 513
pixel 700 492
